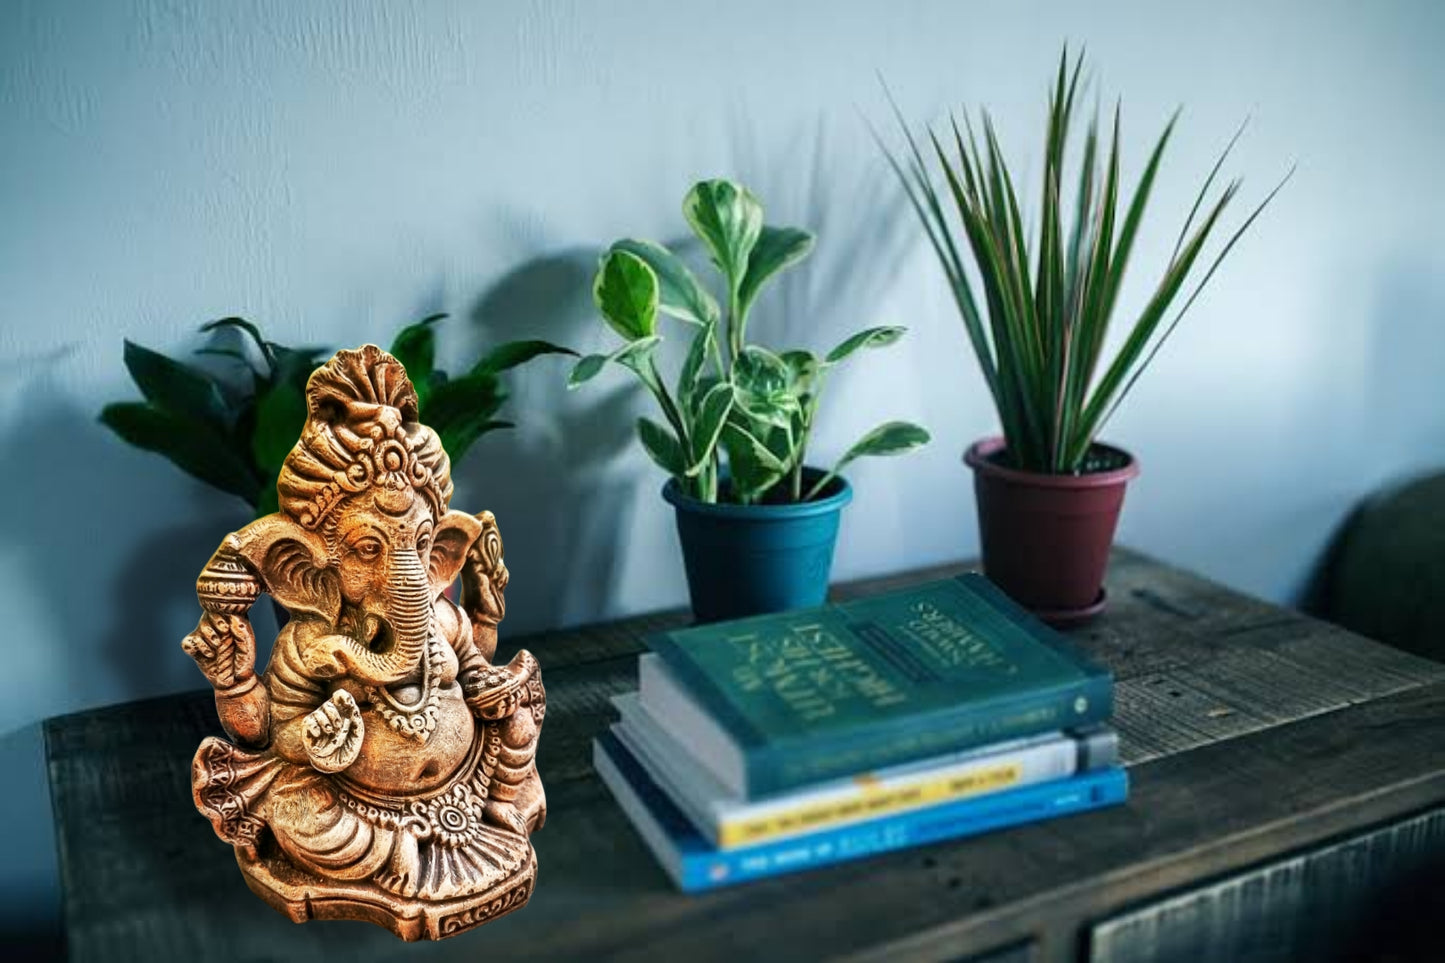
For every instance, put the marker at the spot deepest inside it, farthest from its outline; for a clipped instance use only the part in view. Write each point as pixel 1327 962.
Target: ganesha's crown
pixel 362 433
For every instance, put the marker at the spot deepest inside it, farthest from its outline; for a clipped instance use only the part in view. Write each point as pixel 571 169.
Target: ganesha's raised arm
pixel 224 646
pixel 484 579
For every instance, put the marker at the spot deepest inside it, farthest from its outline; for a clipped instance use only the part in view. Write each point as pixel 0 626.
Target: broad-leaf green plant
pixel 1037 311
pixel 235 436
pixel 733 403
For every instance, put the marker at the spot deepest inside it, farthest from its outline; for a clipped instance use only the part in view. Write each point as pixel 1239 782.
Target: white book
pixel 729 820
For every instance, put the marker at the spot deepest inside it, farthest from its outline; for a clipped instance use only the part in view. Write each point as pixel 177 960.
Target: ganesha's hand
pixel 495 691
pixel 333 732
pixel 483 594
pixel 224 647
pixel 485 576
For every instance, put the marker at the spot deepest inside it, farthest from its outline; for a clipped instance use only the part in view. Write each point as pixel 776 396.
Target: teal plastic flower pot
pixel 750 559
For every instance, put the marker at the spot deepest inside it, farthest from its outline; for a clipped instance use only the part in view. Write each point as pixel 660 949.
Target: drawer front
pixel 1375 893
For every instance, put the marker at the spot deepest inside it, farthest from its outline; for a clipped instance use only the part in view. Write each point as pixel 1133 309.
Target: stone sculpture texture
pixel 381 768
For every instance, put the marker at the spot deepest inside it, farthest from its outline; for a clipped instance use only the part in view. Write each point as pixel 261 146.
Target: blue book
pixel 695 865
pixel 775 702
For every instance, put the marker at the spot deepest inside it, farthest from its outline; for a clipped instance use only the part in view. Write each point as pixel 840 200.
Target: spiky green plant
pixel 1039 327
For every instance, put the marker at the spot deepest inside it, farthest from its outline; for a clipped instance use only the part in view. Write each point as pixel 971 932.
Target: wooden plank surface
pixel 1252 732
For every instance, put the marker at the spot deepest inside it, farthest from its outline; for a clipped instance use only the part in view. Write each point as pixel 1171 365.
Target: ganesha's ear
pixel 293 565
pixel 454 534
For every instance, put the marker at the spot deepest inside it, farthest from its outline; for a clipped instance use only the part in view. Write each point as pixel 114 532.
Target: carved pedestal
pixel 303 896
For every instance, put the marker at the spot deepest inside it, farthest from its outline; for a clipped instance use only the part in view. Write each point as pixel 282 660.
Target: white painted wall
pixel 333 169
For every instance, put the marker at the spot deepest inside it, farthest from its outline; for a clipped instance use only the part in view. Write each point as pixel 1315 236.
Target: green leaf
pixel 585 370
pixel 415 347
pixel 629 355
pixel 198 449
pixel 295 365
pixel 626 292
pixel 776 248
pixel 636 354
pixel 280 416
pixel 706 427
pixel 249 329
pixel 802 369
pixel 176 388
pixel 775 411
pixel 870 338
pixel 759 372
pixel 661 446
pixel 268 502
pixel 680 294
pixel 460 411
pixel 889 438
pixel 513 353
pixel 692 366
pixel 728 219
pixel 762 382
pixel 752 466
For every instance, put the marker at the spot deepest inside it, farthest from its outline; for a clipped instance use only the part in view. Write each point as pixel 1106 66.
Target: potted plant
pixel 1037 314
pixel 756 519
pixel 236 437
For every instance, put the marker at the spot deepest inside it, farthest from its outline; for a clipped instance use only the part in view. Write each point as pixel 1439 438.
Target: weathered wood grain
pixel 1284 733
pixel 1302 908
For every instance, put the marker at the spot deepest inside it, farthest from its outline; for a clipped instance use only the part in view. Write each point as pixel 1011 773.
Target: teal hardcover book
pixel 779 701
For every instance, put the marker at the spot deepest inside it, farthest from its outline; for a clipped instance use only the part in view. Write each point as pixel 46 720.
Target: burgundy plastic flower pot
pixel 1046 538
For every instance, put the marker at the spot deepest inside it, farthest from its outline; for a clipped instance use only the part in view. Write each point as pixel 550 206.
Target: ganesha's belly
pixel 393 763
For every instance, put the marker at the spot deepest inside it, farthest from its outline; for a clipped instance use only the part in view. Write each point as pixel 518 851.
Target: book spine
pixel 702 871
pixel 871 798
pixel 782 766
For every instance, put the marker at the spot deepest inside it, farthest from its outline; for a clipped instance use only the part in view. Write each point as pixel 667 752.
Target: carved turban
pixel 362 433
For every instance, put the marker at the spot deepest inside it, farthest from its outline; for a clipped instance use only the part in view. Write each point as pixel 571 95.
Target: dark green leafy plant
pixel 730 397
pixel 1039 326
pixel 236 438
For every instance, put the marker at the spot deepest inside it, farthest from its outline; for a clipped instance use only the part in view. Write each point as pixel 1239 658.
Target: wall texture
pixel 333 169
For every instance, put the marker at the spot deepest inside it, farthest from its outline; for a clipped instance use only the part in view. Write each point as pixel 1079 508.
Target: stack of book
pixel 783 742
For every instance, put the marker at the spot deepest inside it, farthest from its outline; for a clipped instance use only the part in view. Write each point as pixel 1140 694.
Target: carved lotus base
pixel 304 896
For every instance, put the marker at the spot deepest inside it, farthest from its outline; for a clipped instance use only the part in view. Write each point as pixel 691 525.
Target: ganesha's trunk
pixel 410 612
pixel 411 609
pixel 408 619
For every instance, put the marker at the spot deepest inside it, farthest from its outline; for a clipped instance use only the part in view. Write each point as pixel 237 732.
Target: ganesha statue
pixel 381 767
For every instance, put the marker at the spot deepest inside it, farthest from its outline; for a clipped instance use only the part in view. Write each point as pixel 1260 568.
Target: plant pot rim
pixel 673 494
pixel 979 458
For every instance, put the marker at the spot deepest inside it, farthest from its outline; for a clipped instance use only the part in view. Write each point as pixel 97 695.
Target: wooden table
pixel 1285 775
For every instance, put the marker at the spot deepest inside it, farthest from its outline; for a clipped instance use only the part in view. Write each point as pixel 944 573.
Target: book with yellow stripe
pixel 730 821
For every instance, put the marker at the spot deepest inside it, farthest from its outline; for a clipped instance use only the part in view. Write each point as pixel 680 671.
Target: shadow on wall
pixel 100 611
pixel 560 512
pixel 864 228
pixel 111 604
pixel 562 509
